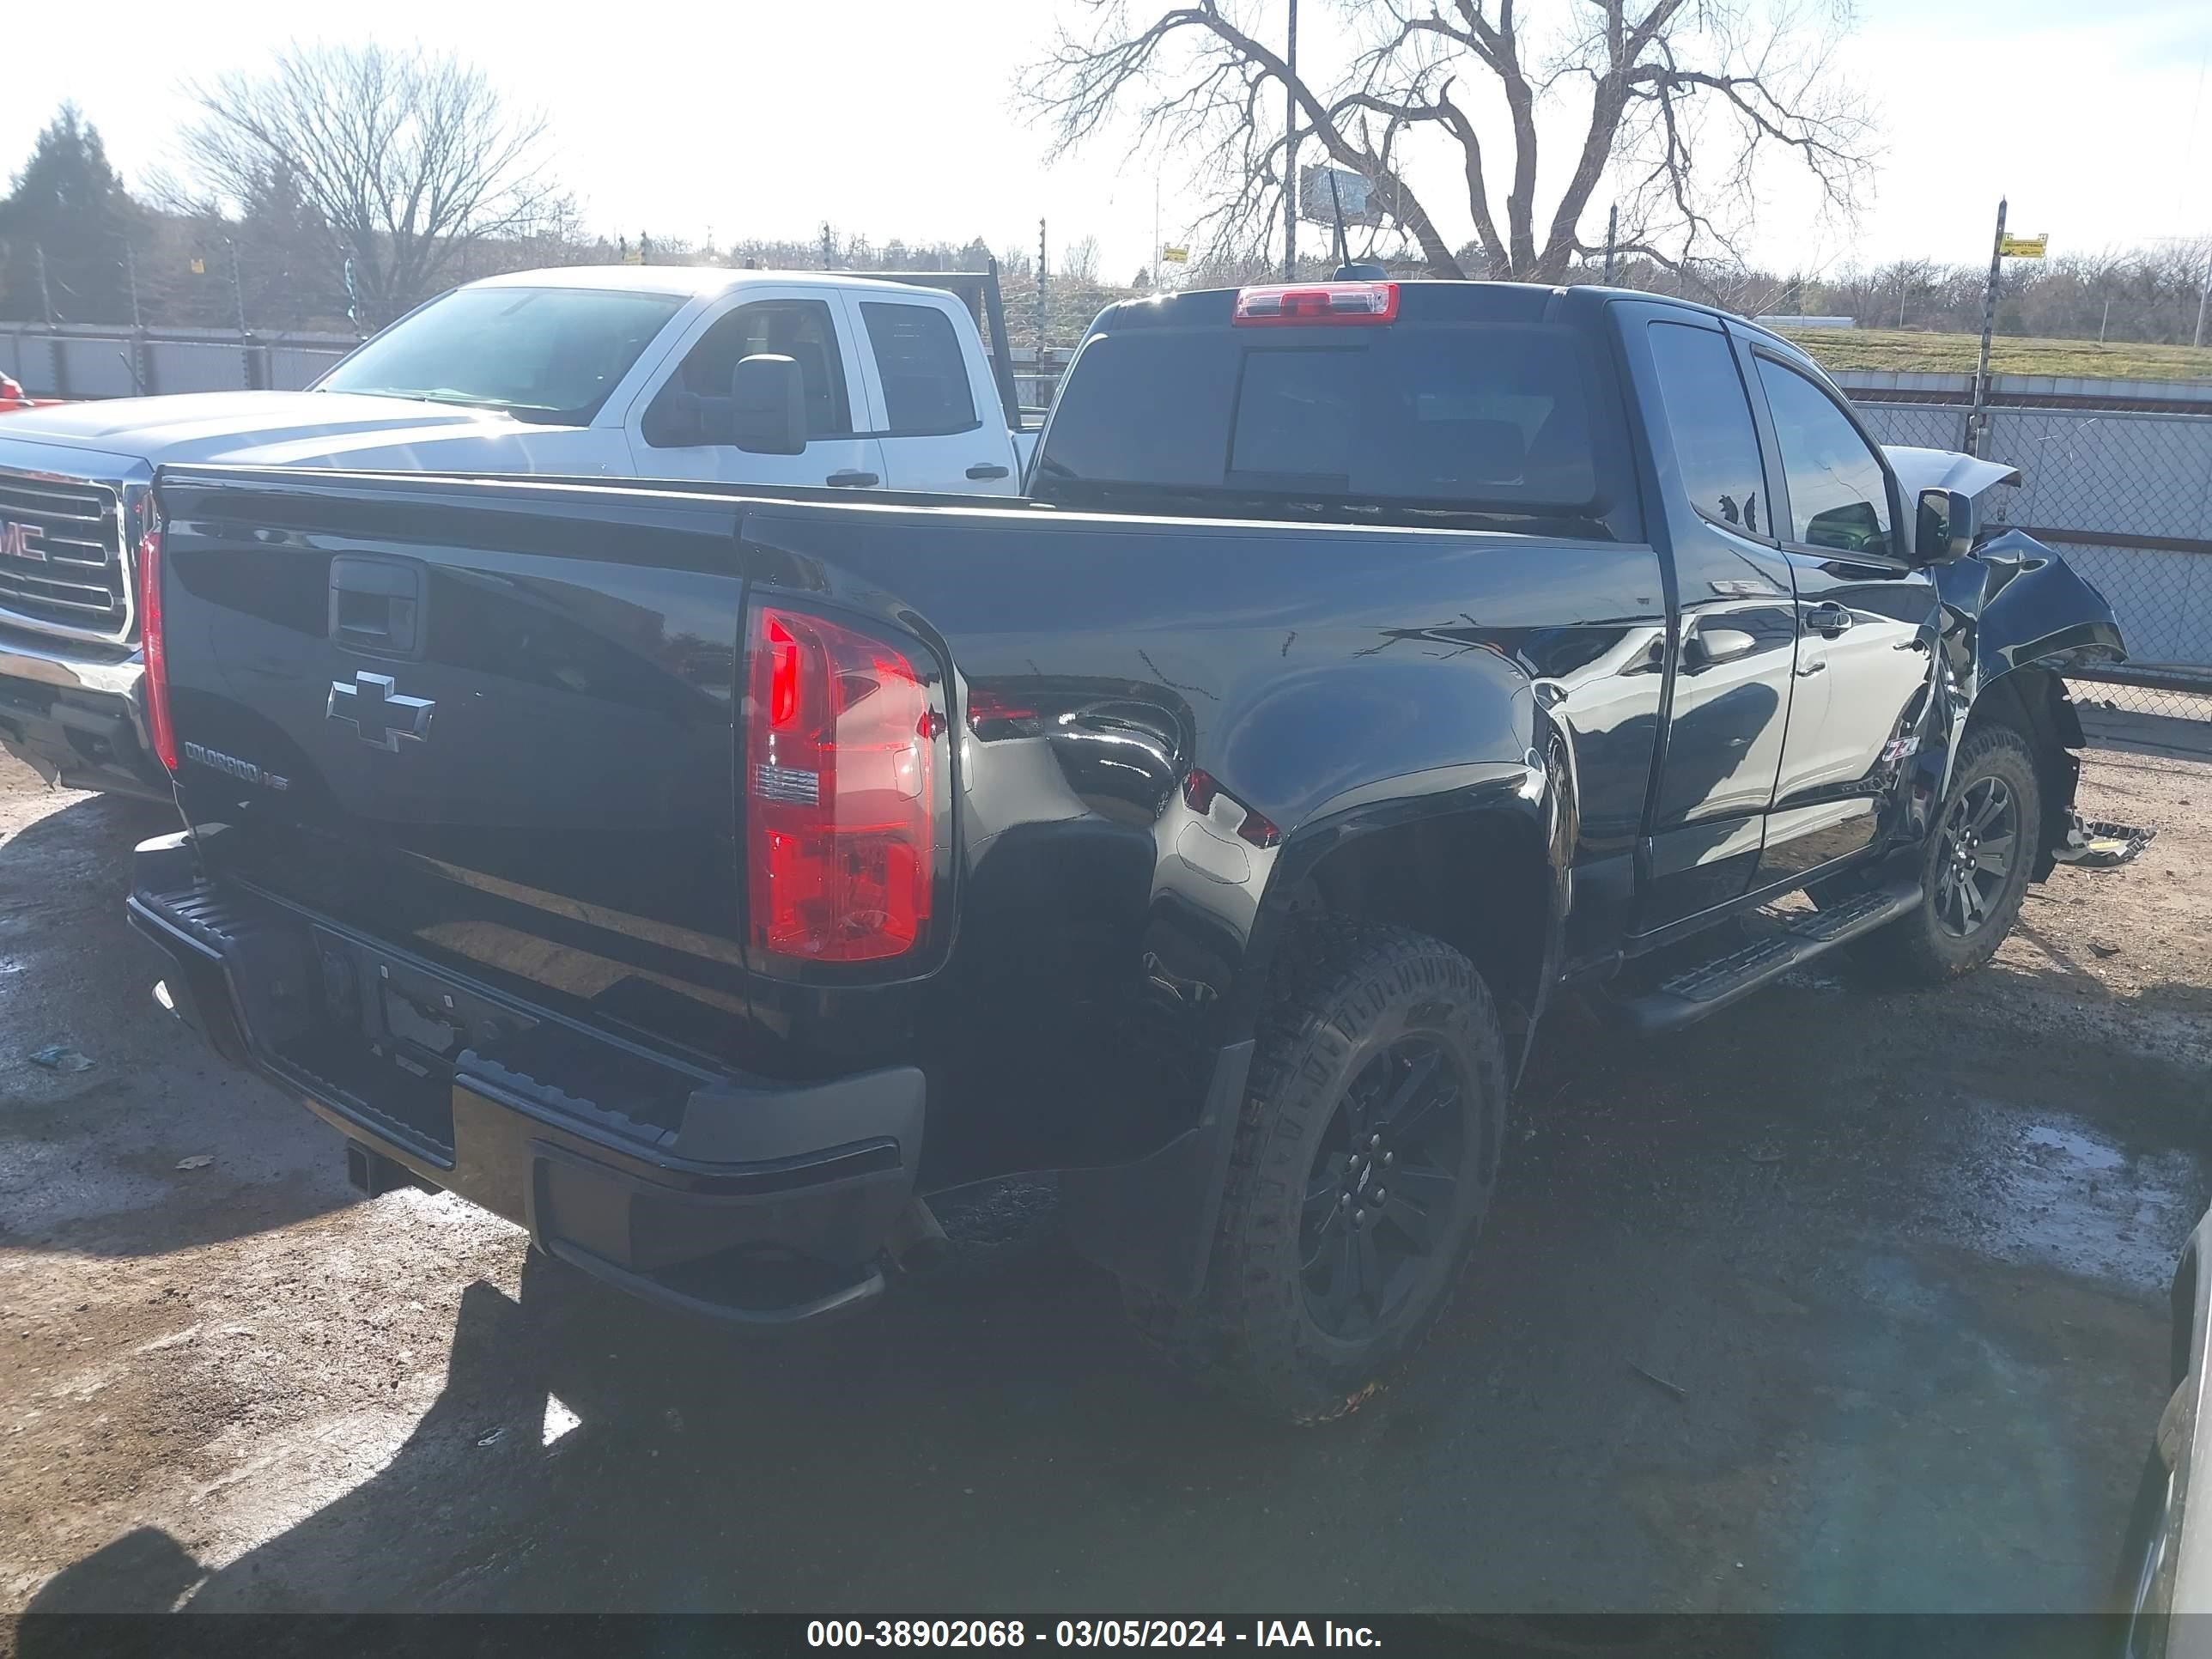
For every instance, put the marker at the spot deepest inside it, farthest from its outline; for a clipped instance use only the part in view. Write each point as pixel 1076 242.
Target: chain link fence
pixel 2119 481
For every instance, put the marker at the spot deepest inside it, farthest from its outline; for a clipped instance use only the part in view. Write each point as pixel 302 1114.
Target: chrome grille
pixel 61 558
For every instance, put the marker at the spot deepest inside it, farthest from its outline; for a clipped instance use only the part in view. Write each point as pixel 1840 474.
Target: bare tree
pixel 1079 260
pixel 407 158
pixel 1676 99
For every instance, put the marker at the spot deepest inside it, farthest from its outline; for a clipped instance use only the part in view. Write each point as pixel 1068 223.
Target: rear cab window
pixel 924 374
pixel 1709 420
pixel 1470 404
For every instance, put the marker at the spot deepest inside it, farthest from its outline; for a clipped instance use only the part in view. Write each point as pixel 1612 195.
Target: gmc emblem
pixel 20 541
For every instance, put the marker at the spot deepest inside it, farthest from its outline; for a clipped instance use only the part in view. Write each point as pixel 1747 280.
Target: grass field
pixel 1912 352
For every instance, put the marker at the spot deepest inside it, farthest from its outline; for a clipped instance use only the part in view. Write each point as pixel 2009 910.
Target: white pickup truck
pixel 787 378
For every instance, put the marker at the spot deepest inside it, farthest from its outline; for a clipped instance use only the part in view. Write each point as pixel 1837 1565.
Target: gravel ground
pixel 1896 1261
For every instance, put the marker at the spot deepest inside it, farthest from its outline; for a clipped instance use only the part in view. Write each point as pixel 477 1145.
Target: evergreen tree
pixel 289 263
pixel 68 201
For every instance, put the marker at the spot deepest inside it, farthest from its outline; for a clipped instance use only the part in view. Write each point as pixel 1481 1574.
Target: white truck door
pixel 683 427
pixel 942 427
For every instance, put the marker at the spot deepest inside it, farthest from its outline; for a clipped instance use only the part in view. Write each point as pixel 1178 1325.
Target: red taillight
pixel 155 649
pixel 1286 304
pixel 1200 791
pixel 840 761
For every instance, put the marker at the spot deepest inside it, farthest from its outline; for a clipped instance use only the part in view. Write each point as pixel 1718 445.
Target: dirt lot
pixel 1902 1257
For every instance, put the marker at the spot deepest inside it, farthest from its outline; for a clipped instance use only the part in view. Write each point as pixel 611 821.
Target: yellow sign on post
pixel 2023 247
pixel 1175 256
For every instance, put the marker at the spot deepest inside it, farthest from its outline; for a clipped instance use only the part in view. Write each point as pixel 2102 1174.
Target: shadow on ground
pixel 89 1159
pixel 1815 1307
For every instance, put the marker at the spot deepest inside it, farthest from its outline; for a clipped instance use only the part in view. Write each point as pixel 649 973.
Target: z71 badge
pixel 231 767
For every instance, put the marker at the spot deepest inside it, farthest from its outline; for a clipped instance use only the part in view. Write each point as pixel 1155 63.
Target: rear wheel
pixel 1364 1165
pixel 1977 863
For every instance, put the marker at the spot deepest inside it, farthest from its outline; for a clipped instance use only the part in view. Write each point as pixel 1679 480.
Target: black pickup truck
pixel 701 877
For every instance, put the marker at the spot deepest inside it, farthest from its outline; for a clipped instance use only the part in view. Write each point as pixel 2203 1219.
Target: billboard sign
pixel 1324 191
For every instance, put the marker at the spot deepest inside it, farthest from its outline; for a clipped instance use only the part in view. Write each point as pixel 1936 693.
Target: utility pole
pixel 1978 417
pixel 1040 299
pixel 2203 291
pixel 829 248
pixel 1290 155
pixel 237 288
pixel 1156 244
pixel 45 300
pixel 1611 235
pixel 131 271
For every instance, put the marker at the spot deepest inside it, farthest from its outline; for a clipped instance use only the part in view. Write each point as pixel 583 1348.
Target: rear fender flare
pixel 1153 1222
pixel 1527 805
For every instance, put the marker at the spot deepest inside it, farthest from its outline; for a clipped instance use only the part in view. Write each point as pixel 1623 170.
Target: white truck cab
pixel 636 363
pixel 858 382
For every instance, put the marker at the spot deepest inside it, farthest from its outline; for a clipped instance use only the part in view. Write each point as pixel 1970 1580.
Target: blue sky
pixel 750 116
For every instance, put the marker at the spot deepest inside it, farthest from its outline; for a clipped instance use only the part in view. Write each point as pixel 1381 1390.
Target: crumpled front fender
pixel 2015 602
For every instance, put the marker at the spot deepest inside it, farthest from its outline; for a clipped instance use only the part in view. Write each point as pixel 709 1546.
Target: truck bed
pixel 567 832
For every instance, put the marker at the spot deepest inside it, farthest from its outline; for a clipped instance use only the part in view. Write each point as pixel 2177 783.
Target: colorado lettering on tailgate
pixel 230 766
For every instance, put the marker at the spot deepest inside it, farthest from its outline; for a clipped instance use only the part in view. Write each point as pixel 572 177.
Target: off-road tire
pixel 1918 948
pixel 1353 990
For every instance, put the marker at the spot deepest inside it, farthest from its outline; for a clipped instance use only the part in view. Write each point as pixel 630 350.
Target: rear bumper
pixel 79 720
pixel 759 1203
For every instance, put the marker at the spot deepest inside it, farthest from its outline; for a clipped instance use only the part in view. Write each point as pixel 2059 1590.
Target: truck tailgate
pixel 517 763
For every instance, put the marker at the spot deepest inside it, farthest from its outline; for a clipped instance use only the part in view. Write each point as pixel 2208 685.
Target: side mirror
pixel 1950 521
pixel 1707 647
pixel 768 404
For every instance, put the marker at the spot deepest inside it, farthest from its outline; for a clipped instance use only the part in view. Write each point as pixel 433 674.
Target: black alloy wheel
pixel 1981 838
pixel 1384 1188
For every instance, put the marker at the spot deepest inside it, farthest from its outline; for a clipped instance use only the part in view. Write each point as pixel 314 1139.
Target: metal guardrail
pixel 79 360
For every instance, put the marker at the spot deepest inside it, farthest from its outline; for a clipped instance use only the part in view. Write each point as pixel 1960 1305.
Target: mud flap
pixel 1151 1222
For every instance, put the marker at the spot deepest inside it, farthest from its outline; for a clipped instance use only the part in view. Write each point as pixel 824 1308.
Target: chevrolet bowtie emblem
pixel 378 712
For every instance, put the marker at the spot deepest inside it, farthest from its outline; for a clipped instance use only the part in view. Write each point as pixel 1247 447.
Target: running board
pixel 1709 987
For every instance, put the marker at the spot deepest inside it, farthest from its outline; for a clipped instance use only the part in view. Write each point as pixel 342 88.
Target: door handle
pixel 852 478
pixel 986 469
pixel 1829 618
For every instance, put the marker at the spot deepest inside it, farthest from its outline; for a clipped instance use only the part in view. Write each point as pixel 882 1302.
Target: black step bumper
pixel 752 1201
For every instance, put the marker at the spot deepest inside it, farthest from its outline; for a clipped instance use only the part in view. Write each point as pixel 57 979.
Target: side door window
pixel 924 375
pixel 694 407
pixel 1838 493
